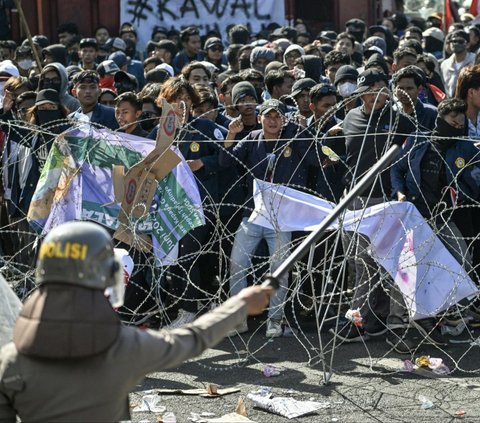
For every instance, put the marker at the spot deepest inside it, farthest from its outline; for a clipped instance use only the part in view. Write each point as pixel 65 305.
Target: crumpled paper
pixel 150 403
pixel 287 407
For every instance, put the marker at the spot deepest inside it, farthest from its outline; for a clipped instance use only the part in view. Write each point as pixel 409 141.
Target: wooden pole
pixel 29 35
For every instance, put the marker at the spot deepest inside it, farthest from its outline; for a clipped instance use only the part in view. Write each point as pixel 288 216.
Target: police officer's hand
pixel 401 196
pixel 256 297
pixel 195 164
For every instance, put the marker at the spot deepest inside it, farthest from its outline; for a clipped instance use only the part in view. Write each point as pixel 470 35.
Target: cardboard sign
pixel 135 189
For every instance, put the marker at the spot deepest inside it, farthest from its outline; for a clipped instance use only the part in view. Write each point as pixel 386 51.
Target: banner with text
pixel 205 14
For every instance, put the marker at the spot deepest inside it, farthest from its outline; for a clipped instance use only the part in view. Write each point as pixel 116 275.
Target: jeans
pixel 247 238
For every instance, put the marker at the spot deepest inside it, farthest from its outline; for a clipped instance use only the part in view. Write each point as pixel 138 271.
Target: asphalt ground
pixel 368 382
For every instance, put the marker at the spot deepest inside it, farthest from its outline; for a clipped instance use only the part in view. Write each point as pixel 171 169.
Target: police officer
pixel 71 359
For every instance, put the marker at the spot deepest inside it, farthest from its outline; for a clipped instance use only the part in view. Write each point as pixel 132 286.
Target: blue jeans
pixel 247 238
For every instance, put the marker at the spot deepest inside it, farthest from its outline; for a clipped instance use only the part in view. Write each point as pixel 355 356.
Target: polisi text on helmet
pixel 68 250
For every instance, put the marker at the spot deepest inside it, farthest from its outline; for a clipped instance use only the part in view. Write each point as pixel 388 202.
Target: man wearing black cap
pixel 301 94
pixel 190 38
pixel 346 84
pixel 270 154
pixel 88 53
pixel 86 86
pixel 356 27
pixel 214 53
pixel 125 82
pixel 165 50
pixel 460 58
pixel 244 99
pixel 369 131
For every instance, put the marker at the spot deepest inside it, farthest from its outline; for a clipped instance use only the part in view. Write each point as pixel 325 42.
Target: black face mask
pixel 33 80
pixel 445 135
pixel 45 117
pixel 358 35
pixel 148 122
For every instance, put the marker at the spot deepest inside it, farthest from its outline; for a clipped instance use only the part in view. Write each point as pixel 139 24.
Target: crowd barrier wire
pixel 320 287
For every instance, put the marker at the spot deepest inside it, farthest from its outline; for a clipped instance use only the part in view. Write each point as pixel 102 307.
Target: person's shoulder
pixel 447 62
pixel 468 147
pixel 108 109
pixel 429 108
pixel 209 128
pixel 353 114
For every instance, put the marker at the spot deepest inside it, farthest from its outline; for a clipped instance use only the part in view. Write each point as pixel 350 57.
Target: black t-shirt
pixel 367 139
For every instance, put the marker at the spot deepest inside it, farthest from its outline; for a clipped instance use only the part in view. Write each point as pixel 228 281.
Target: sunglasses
pixel 216 48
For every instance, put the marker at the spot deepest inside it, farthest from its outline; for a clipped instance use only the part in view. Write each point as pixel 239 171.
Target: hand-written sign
pixel 205 14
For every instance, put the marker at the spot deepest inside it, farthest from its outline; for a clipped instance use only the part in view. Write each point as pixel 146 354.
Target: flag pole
pixel 304 247
pixel 27 31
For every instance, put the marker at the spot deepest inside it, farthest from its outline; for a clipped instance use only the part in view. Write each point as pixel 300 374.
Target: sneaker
pixel 183 318
pixel 239 330
pixel 274 328
pixel 377 329
pixel 430 330
pixel 456 318
pixel 349 333
pixel 399 342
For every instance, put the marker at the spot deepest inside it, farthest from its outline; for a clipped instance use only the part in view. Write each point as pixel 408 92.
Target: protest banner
pixel 77 184
pixel 402 243
pixel 205 14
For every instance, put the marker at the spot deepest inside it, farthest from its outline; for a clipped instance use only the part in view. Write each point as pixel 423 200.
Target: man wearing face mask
pixel 150 112
pixel 24 59
pixel 48 114
pixel 346 84
pixel 54 76
pixel 460 58
pixel 68 340
pixel 107 70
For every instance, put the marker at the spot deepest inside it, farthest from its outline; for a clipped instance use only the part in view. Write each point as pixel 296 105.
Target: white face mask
pixel 25 64
pixel 346 89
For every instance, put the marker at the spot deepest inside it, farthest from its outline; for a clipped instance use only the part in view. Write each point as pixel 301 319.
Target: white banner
pixel 402 242
pixel 205 14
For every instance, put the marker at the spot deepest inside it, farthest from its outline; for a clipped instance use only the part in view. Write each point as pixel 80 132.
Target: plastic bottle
pixel 169 418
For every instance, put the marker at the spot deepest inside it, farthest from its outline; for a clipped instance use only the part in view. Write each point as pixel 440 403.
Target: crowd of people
pixel 311 111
